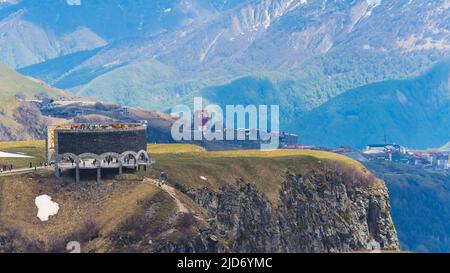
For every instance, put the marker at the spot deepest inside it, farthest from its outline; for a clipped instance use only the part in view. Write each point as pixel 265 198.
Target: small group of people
pixel 143 158
pixel 5 168
pixel 128 160
pixel 9 168
pixel 30 165
pixel 108 160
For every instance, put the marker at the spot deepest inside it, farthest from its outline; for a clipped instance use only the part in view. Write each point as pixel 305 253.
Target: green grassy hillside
pixel 131 213
pixel 13 83
pixel 18 120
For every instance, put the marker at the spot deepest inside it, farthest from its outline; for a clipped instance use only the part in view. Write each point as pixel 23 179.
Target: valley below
pixel 420 205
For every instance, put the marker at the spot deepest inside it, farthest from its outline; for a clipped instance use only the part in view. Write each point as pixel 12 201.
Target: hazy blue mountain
pixel 36 31
pixel 111 20
pixel 7 3
pixel 155 54
pixel 413 113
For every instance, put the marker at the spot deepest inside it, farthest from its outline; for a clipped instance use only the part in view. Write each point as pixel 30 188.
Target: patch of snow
pixel 46 207
pixel 419 42
pixel 372 152
pixel 401 97
pixel 371 5
pixel 10 155
pixel 116 62
pixel 374 3
pixel 209 47
pixel 74 2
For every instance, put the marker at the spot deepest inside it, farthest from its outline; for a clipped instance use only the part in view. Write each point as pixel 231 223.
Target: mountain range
pixel 298 54
pixel 412 112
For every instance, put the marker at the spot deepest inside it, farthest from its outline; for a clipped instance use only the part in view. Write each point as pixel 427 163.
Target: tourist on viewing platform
pixel 162 179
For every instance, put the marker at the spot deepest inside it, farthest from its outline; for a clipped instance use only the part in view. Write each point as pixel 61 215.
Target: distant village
pixel 435 159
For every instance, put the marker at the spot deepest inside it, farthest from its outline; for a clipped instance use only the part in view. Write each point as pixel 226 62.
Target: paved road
pixel 21 171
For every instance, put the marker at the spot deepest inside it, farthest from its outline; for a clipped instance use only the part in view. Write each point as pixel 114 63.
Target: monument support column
pixel 57 173
pixel 99 173
pixel 120 167
pixel 77 171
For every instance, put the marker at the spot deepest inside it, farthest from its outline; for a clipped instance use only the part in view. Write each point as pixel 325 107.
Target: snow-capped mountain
pixel 157 53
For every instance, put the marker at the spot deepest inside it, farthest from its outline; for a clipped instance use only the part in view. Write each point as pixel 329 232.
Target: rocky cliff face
pixel 312 206
pixel 315 213
pixel 326 210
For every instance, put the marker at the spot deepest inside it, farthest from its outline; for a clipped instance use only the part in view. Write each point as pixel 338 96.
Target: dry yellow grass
pixel 109 209
pixel 188 163
pixel 35 149
pixel 174 148
pixel 187 148
pixel 288 153
pixel 21 144
pixel 267 169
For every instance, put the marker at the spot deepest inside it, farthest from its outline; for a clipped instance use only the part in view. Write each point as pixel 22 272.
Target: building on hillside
pixel 84 147
pixel 343 150
pixel 288 139
pixel 385 148
pixel 124 111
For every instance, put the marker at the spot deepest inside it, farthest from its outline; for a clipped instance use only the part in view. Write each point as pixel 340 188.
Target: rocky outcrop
pixel 22 123
pixel 325 208
pixel 322 213
pixel 30 118
pixel 317 212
